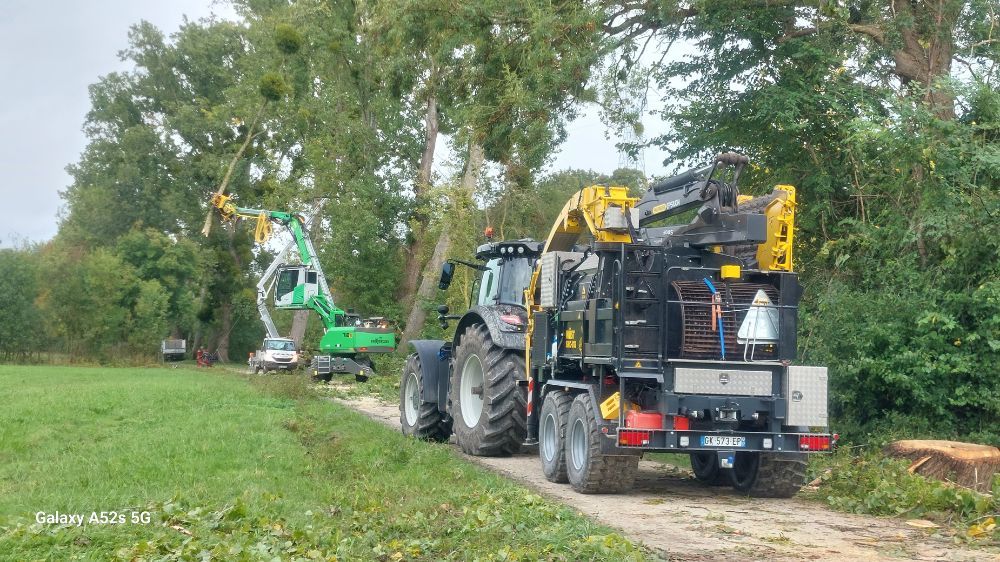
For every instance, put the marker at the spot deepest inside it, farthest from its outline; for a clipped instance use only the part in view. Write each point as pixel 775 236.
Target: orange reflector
pixel 682 423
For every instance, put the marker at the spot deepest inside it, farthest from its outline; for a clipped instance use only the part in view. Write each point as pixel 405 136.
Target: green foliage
pixel 273 87
pixel 20 320
pixel 918 288
pixel 149 320
pixel 287 38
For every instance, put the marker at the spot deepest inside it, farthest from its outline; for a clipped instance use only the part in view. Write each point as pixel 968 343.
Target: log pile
pixel 965 464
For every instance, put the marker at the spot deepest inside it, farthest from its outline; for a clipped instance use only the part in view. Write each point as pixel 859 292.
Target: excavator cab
pixel 295 286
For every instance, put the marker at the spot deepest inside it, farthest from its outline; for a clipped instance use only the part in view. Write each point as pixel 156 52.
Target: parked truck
pixel 640 336
pixel 275 354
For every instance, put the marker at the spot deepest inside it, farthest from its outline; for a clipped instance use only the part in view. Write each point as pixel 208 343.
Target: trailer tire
pixel 705 467
pixel 418 418
pixel 589 471
pixel 487 406
pixel 769 475
pixel 552 435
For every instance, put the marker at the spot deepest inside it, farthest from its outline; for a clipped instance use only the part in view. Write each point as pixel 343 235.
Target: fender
pixel 434 359
pixel 500 331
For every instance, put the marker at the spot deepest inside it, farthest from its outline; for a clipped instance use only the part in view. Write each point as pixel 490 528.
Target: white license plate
pixel 723 441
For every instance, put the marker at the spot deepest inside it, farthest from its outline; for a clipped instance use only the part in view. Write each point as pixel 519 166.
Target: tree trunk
pixel 418 313
pixel 413 257
pixel 966 464
pixel 199 328
pixel 222 345
pixel 226 321
pixel 928 46
pixel 299 321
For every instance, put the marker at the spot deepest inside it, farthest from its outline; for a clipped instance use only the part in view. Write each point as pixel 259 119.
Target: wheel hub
pixel 578 444
pixel 471 391
pixel 412 403
pixel 549 445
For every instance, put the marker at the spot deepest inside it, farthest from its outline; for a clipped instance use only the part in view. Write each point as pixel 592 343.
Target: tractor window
pixel 514 279
pixel 488 286
pixel 311 277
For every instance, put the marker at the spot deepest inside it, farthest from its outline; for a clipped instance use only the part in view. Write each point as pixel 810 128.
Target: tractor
pixel 474 385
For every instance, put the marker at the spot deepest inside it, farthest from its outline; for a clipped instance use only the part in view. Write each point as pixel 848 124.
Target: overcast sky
pixel 53 50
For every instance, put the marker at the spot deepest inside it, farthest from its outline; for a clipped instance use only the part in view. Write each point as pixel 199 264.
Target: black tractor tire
pixel 423 420
pixel 769 475
pixel 500 428
pixel 705 466
pixel 552 435
pixel 589 471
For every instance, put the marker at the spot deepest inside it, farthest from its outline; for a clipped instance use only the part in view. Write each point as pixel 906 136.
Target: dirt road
pixel 680 519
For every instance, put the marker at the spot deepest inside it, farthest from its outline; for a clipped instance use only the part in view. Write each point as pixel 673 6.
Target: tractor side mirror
pixel 447 270
pixel 443 310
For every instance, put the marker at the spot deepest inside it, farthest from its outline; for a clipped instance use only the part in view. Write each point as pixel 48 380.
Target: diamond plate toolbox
pixel 728 382
pixel 806 391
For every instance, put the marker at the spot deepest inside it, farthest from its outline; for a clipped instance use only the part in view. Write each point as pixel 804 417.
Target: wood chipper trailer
pixel 647 337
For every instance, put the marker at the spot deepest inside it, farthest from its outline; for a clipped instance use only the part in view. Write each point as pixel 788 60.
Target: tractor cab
pixel 506 273
pixel 295 286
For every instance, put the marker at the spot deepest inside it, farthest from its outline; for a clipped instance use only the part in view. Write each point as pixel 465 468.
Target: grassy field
pixel 232 469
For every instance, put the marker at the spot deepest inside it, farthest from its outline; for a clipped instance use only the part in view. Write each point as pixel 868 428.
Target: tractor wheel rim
pixel 549 445
pixel 578 444
pixel 472 379
pixel 412 403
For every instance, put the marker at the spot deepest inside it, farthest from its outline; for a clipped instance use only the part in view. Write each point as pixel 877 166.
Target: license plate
pixel 723 441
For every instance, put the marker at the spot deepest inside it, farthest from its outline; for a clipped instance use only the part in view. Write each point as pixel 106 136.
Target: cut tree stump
pixel 965 464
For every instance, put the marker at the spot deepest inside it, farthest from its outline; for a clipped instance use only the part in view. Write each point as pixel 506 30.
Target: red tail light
pixel 814 442
pixel 682 423
pixel 633 437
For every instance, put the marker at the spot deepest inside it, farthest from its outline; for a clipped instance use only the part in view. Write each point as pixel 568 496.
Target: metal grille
pixel 698 339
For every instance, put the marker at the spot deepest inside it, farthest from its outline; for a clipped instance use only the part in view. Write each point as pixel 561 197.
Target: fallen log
pixel 966 464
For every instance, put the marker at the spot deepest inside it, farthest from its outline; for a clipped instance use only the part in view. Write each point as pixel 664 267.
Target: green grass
pixel 238 470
